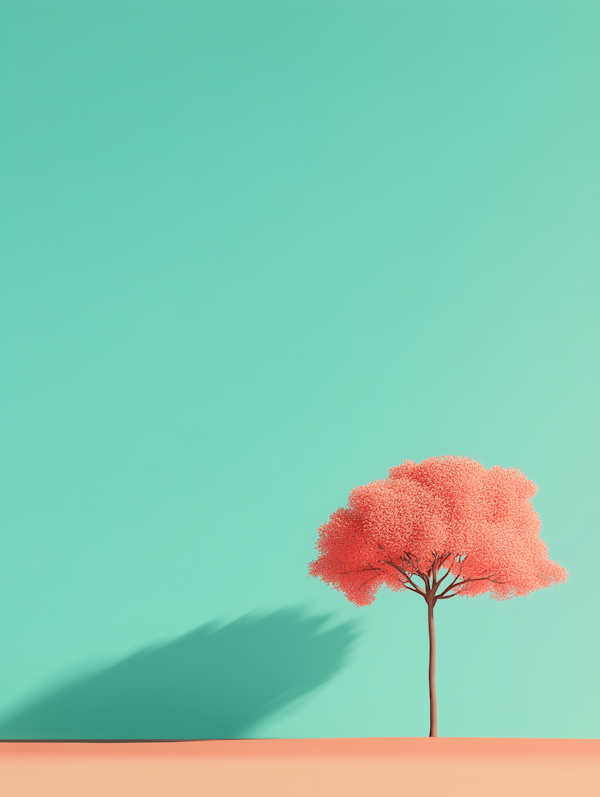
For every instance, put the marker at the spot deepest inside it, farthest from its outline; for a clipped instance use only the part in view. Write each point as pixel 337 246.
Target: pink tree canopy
pixel 446 512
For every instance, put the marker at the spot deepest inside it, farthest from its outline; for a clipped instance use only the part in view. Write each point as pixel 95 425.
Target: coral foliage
pixel 398 530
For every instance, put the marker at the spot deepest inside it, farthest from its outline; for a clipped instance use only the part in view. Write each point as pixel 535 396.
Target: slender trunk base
pixel 432 696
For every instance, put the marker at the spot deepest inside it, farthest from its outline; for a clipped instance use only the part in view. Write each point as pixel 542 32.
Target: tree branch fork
pixel 408 567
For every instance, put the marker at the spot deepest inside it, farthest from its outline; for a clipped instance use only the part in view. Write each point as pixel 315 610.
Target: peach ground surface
pixel 302 767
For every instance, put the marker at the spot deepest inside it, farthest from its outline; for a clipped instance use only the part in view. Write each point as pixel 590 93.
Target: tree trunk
pixel 432 695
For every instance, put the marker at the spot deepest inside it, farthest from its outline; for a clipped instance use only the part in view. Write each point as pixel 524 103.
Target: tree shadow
pixel 215 682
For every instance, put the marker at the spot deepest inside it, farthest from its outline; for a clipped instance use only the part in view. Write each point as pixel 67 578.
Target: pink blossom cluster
pixel 481 520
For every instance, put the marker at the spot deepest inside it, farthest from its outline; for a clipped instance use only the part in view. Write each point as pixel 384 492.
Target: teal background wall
pixel 255 254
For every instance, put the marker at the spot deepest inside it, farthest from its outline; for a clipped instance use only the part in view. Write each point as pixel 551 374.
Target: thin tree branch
pixel 434 568
pixel 363 570
pixel 458 575
pixel 368 581
pixel 440 564
pixel 483 578
pixel 410 589
pixel 406 576
pixel 456 584
pixel 378 570
pixel 449 587
pixel 446 574
pixel 416 570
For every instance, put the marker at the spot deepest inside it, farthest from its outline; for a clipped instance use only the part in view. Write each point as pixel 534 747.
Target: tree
pixel 443 528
